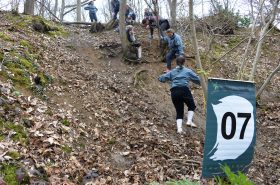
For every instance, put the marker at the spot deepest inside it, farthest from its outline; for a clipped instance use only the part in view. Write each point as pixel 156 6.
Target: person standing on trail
pixel 180 92
pixel 115 5
pixel 148 13
pixel 151 22
pixel 130 16
pixel 92 11
pixel 132 40
pixel 175 45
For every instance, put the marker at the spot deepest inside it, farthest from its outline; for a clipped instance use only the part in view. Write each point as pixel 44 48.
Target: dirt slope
pixel 98 122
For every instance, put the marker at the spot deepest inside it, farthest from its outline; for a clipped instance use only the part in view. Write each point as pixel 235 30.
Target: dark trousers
pixel 162 27
pixel 92 17
pixel 179 96
pixel 115 14
pixel 169 57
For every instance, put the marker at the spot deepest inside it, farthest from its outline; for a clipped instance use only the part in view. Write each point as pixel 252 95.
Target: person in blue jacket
pixel 115 5
pixel 175 45
pixel 180 78
pixel 92 11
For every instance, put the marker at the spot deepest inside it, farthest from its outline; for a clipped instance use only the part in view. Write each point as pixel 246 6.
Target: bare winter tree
pixel 62 8
pixel 55 7
pixel 29 7
pixel 70 8
pixel 195 47
pixel 122 26
pixel 42 8
pixel 106 10
pixel 251 37
pixel 263 33
pixel 173 11
pixel 15 5
pixel 79 10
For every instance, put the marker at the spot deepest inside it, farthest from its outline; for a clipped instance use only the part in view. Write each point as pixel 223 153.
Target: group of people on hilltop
pixel 130 15
pixel 180 76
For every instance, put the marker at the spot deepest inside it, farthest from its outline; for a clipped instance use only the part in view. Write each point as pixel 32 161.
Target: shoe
pixel 191 124
pixel 179 126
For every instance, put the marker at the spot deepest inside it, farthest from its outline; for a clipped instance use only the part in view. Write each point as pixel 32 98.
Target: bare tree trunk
pixel 73 7
pixel 123 36
pixel 173 11
pixel 195 47
pixel 79 10
pixel 260 42
pixel 110 9
pixel 55 7
pixel 252 35
pixel 29 7
pixel 268 80
pixel 62 10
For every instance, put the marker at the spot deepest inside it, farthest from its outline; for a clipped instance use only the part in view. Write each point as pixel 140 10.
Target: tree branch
pixel 229 51
pixel 83 3
pixel 182 161
pixel 268 80
pixel 48 10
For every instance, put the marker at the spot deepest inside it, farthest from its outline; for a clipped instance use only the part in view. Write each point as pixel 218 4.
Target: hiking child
pixel 115 5
pixel 148 13
pixel 180 92
pixel 92 11
pixel 175 45
pixel 130 16
pixel 132 40
pixel 151 23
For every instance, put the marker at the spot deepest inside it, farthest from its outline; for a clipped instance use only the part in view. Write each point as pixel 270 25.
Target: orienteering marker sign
pixel 230 126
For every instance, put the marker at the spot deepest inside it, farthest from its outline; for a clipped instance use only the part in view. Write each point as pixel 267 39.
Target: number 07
pixel 247 117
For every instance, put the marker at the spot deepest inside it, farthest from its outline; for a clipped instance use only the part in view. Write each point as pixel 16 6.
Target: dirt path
pixel 130 130
pixel 120 118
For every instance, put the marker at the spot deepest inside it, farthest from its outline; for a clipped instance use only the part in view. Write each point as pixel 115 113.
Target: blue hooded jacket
pixel 115 4
pixel 180 77
pixel 175 44
pixel 91 7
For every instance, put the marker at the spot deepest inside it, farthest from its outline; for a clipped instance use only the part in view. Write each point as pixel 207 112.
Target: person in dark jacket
pixel 130 16
pixel 175 45
pixel 115 5
pixel 151 22
pixel 180 92
pixel 92 11
pixel 148 13
pixel 132 40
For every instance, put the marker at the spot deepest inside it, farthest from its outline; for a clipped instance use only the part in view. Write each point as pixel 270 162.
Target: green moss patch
pixel 65 122
pixel 13 154
pixel 26 44
pixel 66 149
pixel 9 173
pixel 232 42
pixel 20 134
pixel 5 37
pixel 20 75
pixel 112 141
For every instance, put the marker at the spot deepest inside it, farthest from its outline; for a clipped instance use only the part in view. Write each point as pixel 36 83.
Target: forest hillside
pixel 72 111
